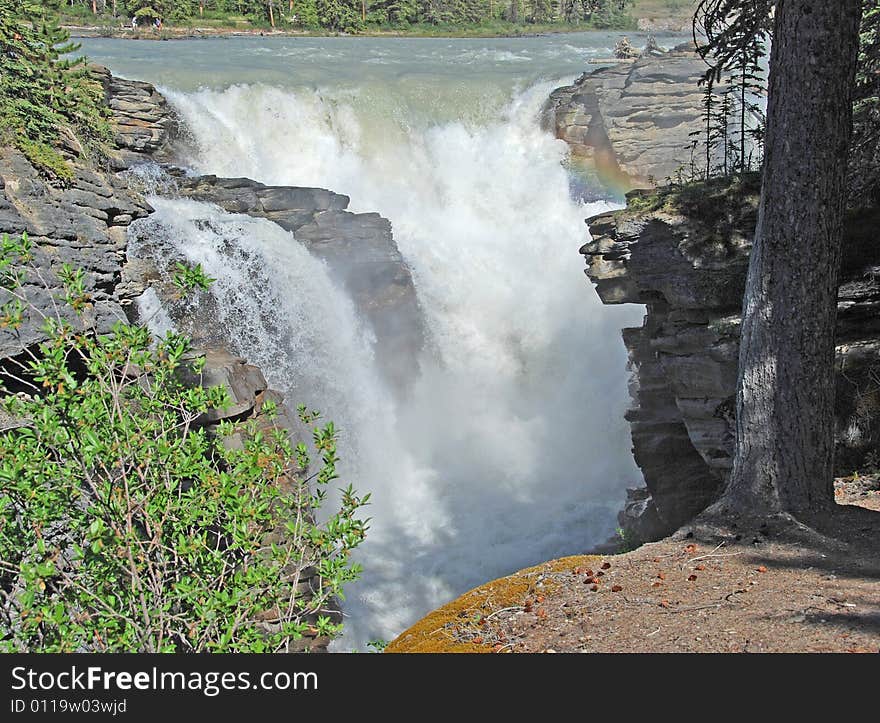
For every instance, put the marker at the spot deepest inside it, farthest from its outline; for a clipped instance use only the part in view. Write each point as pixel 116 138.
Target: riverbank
pixel 169 32
pixel 650 16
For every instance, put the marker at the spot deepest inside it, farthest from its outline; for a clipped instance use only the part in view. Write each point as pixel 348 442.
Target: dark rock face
pixel 638 518
pixel 83 225
pixel 358 248
pixel 689 269
pixel 631 122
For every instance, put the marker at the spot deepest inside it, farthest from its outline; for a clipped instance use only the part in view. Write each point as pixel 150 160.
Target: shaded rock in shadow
pixel 684 254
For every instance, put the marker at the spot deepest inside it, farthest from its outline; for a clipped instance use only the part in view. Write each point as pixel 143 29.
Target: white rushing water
pixel 511 448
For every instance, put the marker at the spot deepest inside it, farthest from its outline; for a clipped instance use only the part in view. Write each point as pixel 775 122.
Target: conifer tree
pixel 748 80
pixel 783 463
pixel 863 184
pixel 44 93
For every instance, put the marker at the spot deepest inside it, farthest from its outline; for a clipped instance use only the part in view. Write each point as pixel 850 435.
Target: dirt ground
pixel 862 491
pixel 789 589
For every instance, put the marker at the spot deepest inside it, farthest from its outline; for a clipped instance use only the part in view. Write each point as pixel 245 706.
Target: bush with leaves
pixel 45 95
pixel 126 525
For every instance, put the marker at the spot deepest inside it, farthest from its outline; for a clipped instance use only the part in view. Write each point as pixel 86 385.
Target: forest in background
pixel 416 16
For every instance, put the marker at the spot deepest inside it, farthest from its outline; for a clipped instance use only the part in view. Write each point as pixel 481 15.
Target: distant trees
pixel 338 14
pixel 392 12
pixel 604 13
pixel 353 15
pixel 541 11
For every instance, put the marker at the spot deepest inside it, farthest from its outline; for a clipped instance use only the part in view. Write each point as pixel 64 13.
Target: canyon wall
pixel 684 254
pixel 630 123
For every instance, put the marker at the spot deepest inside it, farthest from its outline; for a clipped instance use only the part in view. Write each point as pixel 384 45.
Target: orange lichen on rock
pixel 455 627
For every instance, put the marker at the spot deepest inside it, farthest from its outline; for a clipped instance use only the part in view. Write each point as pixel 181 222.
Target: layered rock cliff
pixel 631 123
pixel 83 225
pixel 684 254
pixel 144 125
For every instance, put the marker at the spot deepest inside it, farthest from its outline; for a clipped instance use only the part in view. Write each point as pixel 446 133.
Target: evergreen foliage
pixel 45 96
pixel 352 15
pixel 864 171
pixel 732 40
pixel 732 36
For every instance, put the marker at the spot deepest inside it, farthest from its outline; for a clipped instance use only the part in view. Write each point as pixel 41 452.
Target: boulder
pixel 243 383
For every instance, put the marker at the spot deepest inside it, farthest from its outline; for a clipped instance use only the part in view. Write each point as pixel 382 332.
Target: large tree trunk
pixel 785 393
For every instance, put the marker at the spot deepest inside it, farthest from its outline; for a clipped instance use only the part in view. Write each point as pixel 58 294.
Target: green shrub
pixel 126 525
pixel 46 158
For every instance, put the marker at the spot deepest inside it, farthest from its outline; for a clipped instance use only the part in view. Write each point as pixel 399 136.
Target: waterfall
pixel 273 301
pixel 511 447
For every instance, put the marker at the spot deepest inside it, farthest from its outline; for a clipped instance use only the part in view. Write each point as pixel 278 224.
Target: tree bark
pixel 785 392
pixel 742 118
